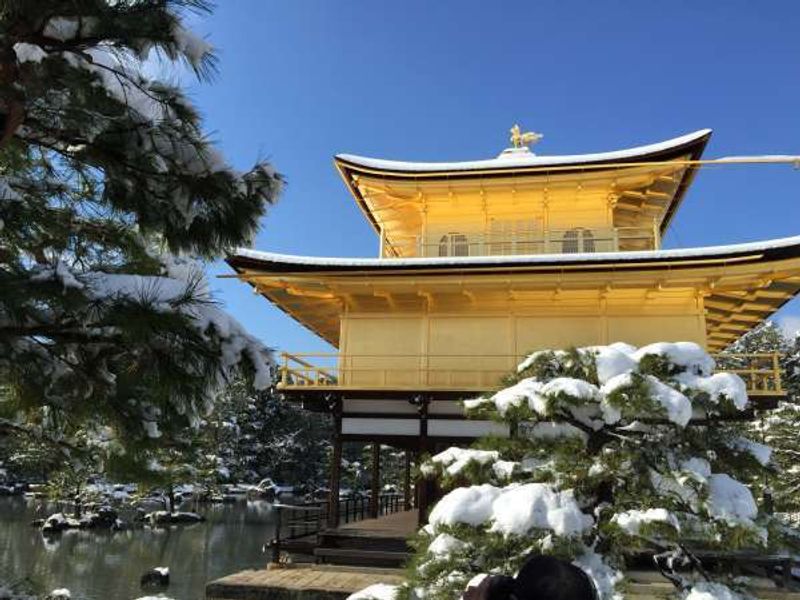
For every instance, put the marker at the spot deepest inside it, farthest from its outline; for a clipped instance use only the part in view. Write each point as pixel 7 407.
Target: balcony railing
pixel 552 241
pixel 761 372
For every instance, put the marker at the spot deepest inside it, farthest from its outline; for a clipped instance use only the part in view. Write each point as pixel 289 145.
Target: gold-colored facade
pixel 481 263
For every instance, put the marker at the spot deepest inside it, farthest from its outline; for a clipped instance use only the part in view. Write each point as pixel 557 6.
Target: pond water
pixel 107 565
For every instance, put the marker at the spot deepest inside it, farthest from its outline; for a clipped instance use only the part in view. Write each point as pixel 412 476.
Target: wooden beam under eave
pixel 786 287
pixel 725 337
pixel 747 318
pixel 735 327
pixel 744 304
pixel 390 300
pixel 649 194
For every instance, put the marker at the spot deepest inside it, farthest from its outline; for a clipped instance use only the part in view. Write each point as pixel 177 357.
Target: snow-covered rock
pixel 163 517
pixel 155 577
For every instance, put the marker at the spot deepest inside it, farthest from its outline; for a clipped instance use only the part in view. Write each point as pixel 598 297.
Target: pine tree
pixel 109 190
pixel 291 445
pixel 613 452
pixel 778 427
pixel 791 368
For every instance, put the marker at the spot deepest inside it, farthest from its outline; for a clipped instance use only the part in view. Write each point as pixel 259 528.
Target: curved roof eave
pixel 766 250
pixel 692 143
pixel 637 154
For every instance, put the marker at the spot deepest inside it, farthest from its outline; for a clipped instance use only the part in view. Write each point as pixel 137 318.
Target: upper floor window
pixel 578 240
pixel 453 244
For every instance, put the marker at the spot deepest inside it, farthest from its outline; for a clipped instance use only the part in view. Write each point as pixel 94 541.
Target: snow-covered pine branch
pixel 106 177
pixel 87 105
pixel 615 451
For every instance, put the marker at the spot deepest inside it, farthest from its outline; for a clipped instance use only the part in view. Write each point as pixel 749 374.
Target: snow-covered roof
pixel 515 160
pixel 245 255
pixel 306 287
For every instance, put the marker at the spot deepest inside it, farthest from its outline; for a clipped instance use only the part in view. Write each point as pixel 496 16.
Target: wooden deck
pixel 382 543
pixel 300 582
pixel 400 524
pixel 336 582
pixel 377 542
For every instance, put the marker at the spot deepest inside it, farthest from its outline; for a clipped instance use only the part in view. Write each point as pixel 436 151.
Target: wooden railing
pixel 297 371
pixel 295 521
pixel 761 372
pixel 551 241
pixel 325 370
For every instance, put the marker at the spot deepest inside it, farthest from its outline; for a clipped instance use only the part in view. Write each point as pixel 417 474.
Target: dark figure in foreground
pixel 540 578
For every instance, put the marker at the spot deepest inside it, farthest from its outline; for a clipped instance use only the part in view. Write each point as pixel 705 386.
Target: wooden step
pixel 352 556
pixel 358 540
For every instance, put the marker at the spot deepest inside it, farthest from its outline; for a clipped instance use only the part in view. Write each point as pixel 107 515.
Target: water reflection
pixel 107 565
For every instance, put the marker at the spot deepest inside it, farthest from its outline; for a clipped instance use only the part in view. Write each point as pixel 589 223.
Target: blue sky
pixel 300 81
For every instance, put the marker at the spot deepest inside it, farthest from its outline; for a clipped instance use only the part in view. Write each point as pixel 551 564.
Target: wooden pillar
pixel 375 496
pixel 335 406
pixel 407 480
pixel 423 490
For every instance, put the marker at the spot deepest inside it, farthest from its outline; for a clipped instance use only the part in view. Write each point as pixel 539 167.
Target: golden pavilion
pixel 479 263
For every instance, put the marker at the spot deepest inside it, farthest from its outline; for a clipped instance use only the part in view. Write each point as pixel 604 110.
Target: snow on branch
pixel 613 452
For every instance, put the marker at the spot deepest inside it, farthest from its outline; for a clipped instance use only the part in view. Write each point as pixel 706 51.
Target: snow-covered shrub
pixel 613 451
